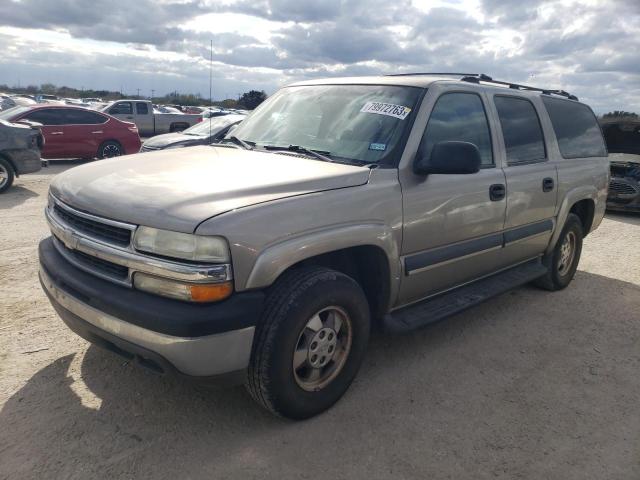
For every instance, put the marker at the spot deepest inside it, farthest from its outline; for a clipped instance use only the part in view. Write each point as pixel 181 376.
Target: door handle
pixel 129 118
pixel 547 184
pixel 98 131
pixel 497 192
pixel 56 133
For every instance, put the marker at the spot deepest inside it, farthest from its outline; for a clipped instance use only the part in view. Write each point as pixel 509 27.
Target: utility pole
pixel 138 93
pixel 152 92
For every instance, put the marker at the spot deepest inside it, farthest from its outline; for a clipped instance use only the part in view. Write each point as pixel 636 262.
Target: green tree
pixel 252 99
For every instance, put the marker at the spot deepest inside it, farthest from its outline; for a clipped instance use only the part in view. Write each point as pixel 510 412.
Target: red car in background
pixel 74 132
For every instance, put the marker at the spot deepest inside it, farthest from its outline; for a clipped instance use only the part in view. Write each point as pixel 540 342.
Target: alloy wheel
pixel 322 349
pixel 110 151
pixel 4 176
pixel 567 253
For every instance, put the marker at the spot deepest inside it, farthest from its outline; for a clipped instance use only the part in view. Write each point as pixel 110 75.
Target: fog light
pixel 190 292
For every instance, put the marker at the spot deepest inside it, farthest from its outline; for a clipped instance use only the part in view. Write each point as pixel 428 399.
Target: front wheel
pixel 7 175
pixel 562 262
pixel 310 342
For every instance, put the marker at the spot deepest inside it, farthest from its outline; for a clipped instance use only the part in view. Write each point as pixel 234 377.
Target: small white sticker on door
pixel 388 109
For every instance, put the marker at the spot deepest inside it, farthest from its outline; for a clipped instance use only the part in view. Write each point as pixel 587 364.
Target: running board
pixel 449 303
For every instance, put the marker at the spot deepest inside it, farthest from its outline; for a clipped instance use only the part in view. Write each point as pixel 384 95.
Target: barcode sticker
pixel 388 109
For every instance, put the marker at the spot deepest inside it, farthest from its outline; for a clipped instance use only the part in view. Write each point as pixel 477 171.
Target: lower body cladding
pixel 205 342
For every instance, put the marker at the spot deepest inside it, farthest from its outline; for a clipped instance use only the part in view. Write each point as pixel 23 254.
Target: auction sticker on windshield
pixel 389 109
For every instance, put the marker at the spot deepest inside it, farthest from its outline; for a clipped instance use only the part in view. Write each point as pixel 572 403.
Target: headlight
pixel 190 292
pixel 185 246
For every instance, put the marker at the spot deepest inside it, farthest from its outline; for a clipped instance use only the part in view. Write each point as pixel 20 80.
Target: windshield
pixel 213 125
pixel 12 112
pixel 364 123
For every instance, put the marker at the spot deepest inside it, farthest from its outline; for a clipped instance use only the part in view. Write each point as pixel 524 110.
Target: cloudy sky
pixel 588 47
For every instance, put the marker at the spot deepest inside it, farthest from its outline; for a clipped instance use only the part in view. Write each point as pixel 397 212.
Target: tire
pixel 7 175
pixel 560 269
pixel 291 306
pixel 110 149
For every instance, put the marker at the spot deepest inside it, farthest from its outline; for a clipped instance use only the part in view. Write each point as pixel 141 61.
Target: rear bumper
pixel 25 160
pixel 217 347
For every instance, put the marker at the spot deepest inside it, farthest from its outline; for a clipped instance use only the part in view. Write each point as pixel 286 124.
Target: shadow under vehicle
pixel 623 143
pixel 19 151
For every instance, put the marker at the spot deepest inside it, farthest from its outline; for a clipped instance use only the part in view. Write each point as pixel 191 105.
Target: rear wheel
pixel 7 175
pixel 310 342
pixel 110 149
pixel 562 262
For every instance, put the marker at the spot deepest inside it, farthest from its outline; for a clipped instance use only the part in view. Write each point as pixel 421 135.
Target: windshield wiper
pixel 319 154
pixel 237 141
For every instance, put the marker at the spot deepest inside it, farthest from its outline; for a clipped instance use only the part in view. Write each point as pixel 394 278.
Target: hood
pixel 163 141
pixel 179 189
pixel 624 158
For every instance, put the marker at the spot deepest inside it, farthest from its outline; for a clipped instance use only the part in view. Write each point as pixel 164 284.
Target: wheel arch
pixel 364 252
pixel 583 202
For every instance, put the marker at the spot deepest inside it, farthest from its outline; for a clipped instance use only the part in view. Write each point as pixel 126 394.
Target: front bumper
pixel 624 194
pixel 205 342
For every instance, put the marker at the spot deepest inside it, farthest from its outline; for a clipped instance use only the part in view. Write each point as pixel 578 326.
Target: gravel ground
pixel 531 384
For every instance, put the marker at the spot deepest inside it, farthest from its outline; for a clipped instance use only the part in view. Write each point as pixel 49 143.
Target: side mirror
pixel 231 129
pixel 449 158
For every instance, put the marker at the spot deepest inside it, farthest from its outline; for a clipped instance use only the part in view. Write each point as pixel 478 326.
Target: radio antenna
pixel 210 85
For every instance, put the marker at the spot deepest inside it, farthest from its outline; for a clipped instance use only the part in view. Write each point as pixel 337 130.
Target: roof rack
pixel 481 77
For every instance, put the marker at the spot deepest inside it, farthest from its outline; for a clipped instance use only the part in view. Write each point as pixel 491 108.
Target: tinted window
pixel 122 108
pixel 142 108
pixel 622 137
pixel 576 128
pixel 47 116
pixel 81 117
pixel 521 129
pixel 459 117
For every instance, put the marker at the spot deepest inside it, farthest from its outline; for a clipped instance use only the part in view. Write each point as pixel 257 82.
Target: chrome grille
pixel 102 231
pixel 104 267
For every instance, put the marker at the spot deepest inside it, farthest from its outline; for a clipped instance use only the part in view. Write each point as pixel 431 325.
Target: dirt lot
pixel 529 385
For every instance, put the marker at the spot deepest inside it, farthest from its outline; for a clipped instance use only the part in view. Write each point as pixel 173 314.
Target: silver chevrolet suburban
pixel 338 205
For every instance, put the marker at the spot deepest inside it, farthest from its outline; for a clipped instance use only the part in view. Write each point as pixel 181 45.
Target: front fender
pixel 276 258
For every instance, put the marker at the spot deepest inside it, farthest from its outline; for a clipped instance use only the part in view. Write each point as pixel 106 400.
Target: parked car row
pixel 209 131
pixel 75 132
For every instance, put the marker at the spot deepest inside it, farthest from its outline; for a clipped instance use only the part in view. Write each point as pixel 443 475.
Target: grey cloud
pixel 340 37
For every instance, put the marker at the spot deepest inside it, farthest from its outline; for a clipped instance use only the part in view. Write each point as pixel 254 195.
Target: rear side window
pixel 576 128
pixel 80 117
pixel 47 116
pixel 521 130
pixel 142 108
pixel 459 117
pixel 122 108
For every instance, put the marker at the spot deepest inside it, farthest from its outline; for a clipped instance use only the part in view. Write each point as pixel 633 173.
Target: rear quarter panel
pixel 578 179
